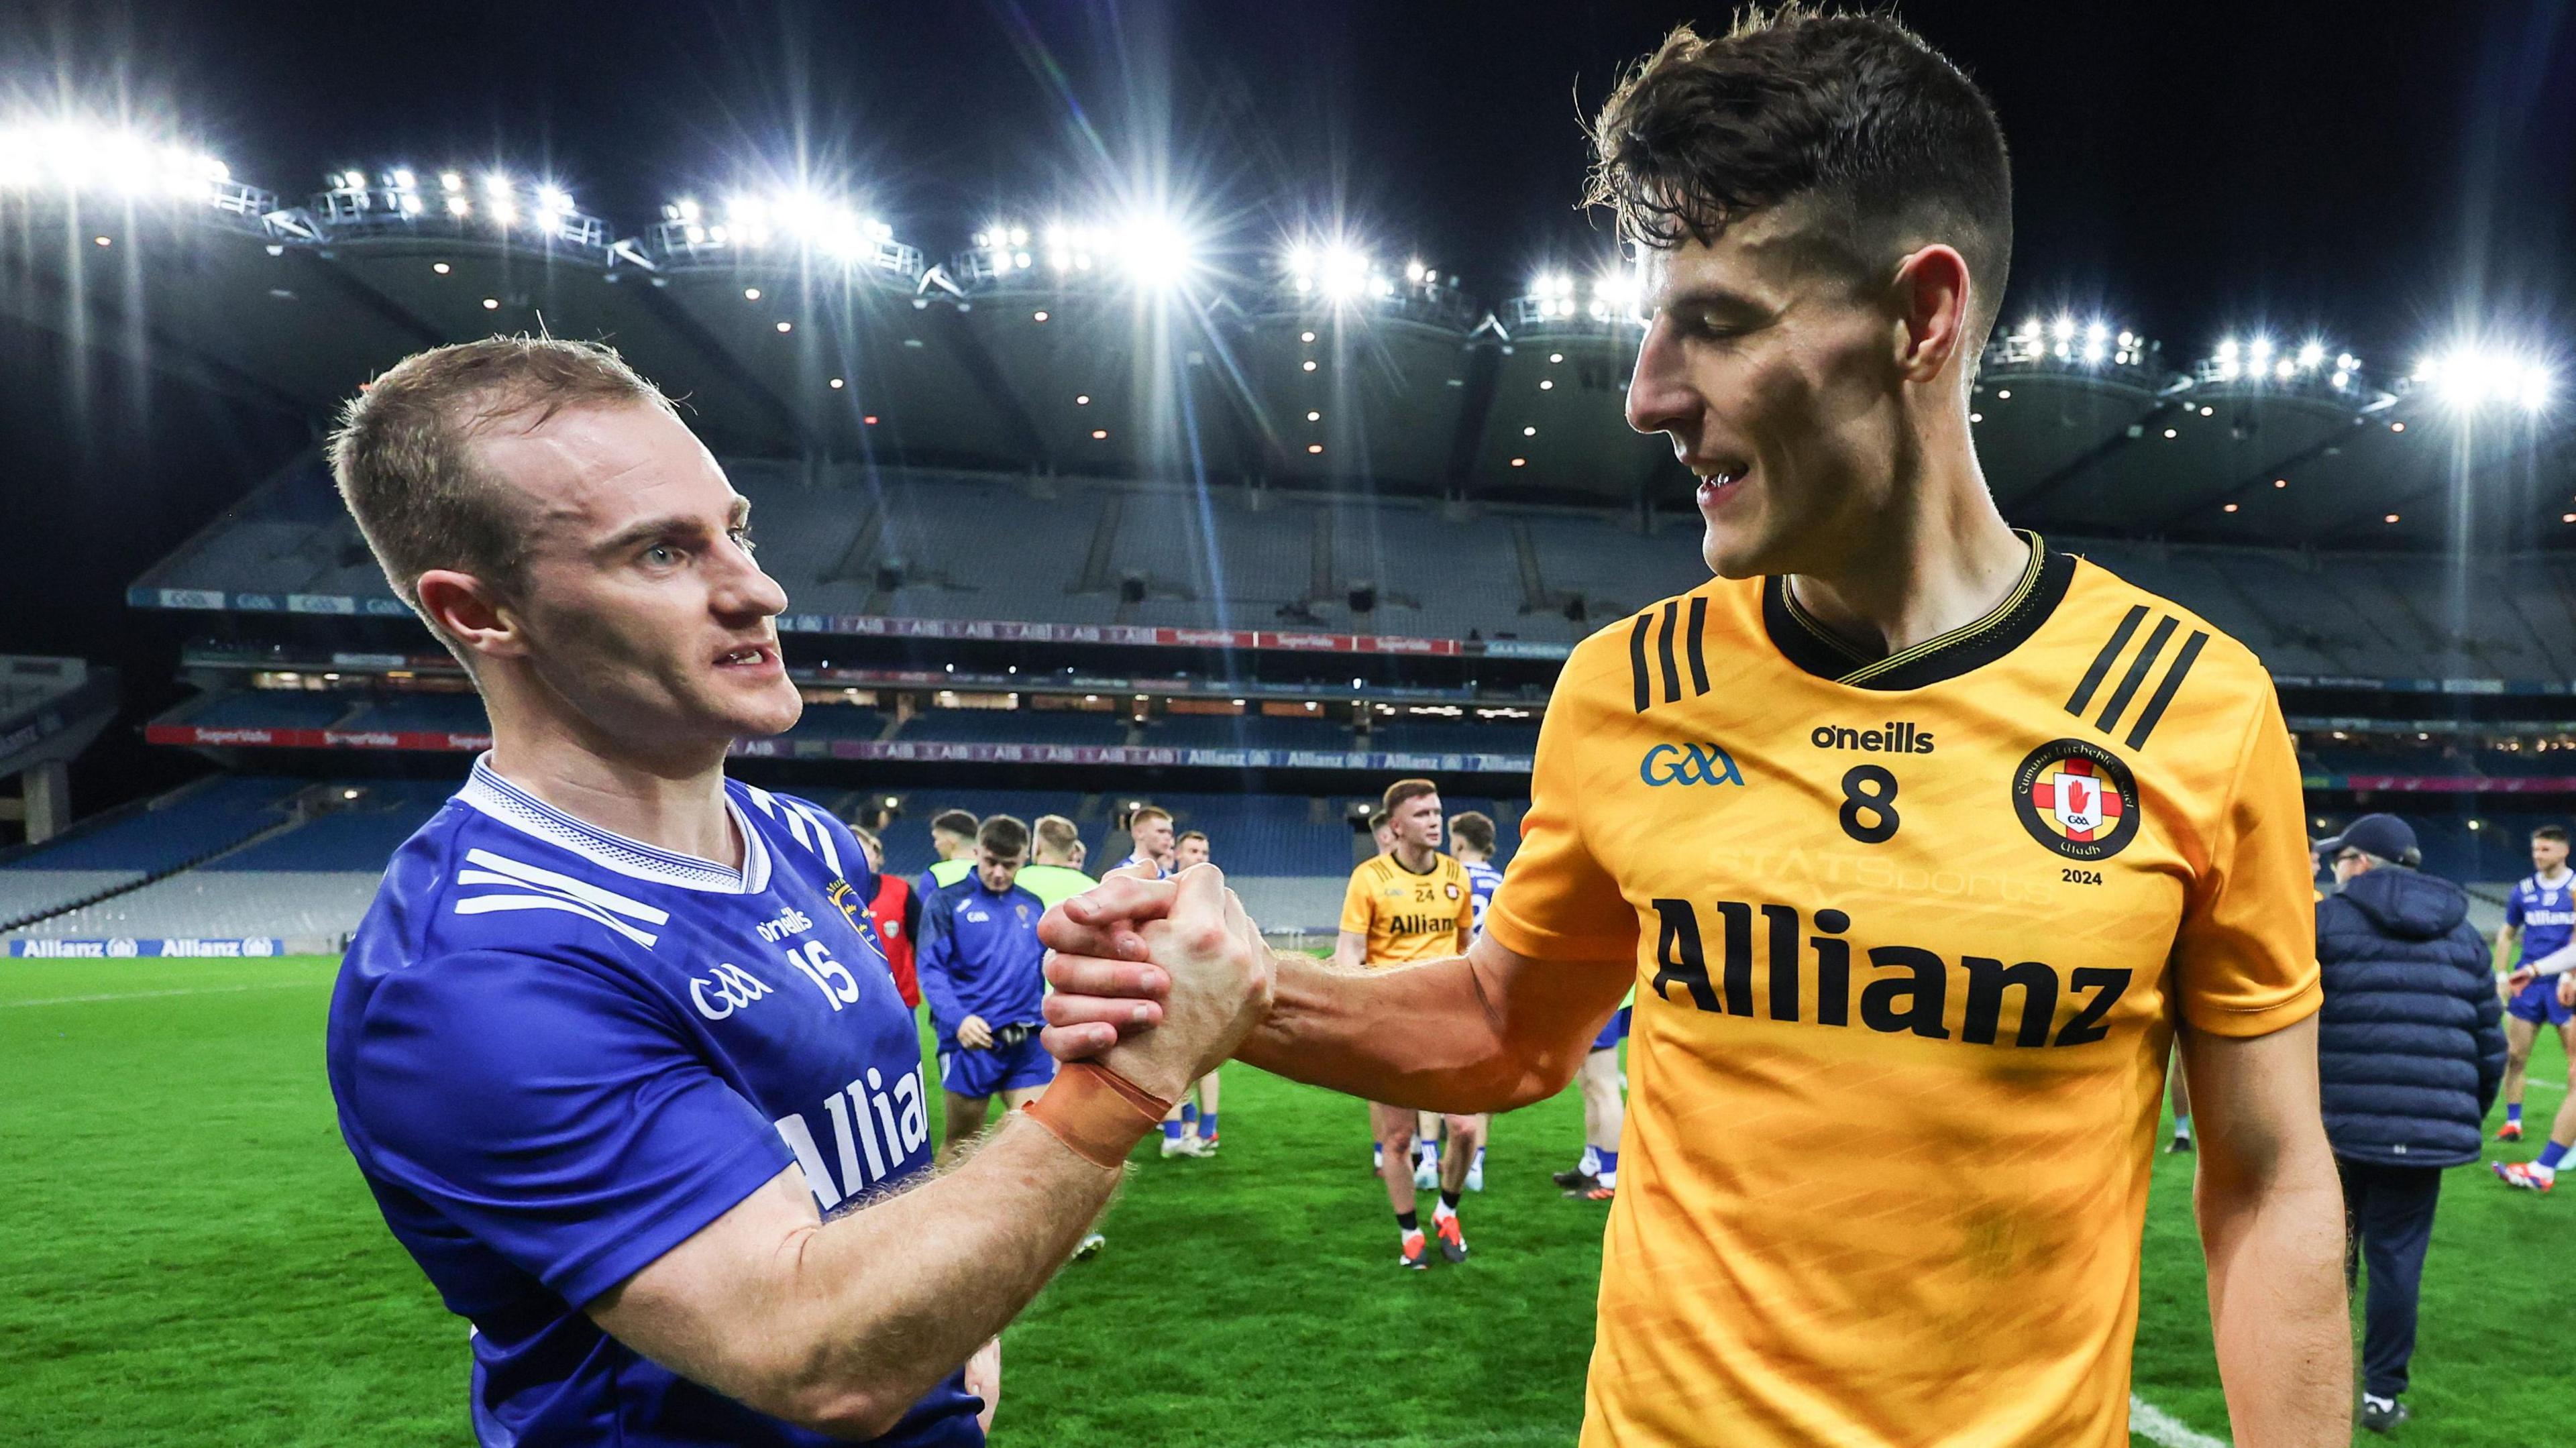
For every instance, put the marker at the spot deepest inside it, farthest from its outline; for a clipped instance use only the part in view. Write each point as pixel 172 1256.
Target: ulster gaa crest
pixel 2077 798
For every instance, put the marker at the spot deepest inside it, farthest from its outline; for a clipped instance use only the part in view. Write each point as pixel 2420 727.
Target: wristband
pixel 1100 1114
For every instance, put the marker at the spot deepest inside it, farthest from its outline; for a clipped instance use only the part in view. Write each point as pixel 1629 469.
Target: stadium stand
pixel 924 543
pixel 312 877
pixel 133 846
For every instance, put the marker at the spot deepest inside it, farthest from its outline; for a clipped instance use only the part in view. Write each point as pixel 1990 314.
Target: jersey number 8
pixel 1869 791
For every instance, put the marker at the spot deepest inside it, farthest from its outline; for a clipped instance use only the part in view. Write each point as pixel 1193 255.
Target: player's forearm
pixel 884 1303
pixel 2273 1233
pixel 2556 962
pixel 1330 1027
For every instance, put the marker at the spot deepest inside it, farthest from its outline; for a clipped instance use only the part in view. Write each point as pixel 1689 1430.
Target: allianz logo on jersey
pixel 877 1127
pixel 1689 764
pixel 1775 961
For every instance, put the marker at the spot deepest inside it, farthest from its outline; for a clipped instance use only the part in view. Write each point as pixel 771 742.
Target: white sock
pixel 1441 1212
pixel 1591 1163
pixel 1610 1179
pixel 2545 1173
pixel 2182 1128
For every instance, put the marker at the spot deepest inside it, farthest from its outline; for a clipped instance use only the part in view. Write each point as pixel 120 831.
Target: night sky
pixel 2374 173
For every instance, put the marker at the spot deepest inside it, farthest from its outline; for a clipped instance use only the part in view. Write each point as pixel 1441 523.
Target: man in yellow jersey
pixel 1919 840
pixel 1413 903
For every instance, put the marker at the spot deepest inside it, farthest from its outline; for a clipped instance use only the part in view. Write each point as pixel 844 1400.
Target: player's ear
pixel 468 610
pixel 1931 295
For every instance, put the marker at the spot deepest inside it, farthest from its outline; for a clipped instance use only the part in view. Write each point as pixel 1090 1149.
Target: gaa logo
pixel 2077 798
pixel 734 988
pixel 1688 764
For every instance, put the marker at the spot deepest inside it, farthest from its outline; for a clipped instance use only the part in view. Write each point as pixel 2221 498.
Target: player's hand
pixel 984 1380
pixel 2567 990
pixel 1221 977
pixel 2520 976
pixel 973 1034
pixel 1096 960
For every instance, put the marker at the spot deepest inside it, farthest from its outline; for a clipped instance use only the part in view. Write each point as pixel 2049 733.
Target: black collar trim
pixel 2005 627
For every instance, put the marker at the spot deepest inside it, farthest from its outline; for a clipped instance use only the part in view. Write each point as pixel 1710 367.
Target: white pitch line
pixel 2164 1429
pixel 137 995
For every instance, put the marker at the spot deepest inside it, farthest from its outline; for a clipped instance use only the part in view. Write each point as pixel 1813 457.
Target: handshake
pixel 1158 980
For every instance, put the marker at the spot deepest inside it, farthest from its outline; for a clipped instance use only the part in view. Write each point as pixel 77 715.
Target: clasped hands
pixel 1158 980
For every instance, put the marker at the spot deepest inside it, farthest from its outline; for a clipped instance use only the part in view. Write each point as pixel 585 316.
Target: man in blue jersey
pixel 2540 916
pixel 613 1048
pixel 1471 839
pixel 980 972
pixel 1150 827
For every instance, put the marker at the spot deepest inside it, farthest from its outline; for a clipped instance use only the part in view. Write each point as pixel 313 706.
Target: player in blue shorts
pixel 1471 839
pixel 614 1049
pixel 980 970
pixel 2540 915
pixel 1595 1177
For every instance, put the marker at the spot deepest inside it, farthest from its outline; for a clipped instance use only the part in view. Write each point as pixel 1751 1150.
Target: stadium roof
pixel 796 326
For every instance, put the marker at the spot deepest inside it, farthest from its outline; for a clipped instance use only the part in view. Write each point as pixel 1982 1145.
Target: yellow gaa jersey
pixel 1911 938
pixel 1409 917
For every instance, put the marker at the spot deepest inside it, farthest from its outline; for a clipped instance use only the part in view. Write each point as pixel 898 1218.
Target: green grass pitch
pixel 187 1256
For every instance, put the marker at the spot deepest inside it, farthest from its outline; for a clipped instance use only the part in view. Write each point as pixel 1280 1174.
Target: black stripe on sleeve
pixel 2165 691
pixel 1637 662
pixel 2102 661
pixel 1698 649
pixel 2137 674
pixel 1664 651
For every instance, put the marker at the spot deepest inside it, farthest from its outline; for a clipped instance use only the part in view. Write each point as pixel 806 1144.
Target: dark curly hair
pixel 1852 112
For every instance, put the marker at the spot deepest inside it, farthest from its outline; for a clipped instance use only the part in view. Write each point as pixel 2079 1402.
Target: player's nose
pixel 745 589
pixel 1660 397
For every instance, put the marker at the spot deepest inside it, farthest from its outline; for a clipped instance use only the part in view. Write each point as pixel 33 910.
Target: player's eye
pixel 661 555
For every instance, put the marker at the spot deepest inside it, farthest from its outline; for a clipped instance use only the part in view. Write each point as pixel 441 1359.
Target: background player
pixel 2540 916
pixel 598 1038
pixel 980 968
pixel 895 913
pixel 1149 828
pixel 1412 904
pixel 952 838
pixel 1471 839
pixel 1823 206
pixel 1198 1116
pixel 1054 871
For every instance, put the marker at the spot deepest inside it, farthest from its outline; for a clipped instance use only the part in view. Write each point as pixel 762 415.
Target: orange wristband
pixel 1097 1112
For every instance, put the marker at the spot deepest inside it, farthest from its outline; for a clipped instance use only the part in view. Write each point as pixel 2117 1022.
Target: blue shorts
pixel 2538 1003
pixel 1613 1031
pixel 997 1068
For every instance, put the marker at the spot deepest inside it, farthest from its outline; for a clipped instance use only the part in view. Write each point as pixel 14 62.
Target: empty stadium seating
pixel 848 540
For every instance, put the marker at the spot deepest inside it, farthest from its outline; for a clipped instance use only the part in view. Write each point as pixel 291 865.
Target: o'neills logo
pixel 1899 738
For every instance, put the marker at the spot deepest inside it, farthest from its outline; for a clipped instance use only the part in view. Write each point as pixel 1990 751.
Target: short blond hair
pixel 1056 835
pixel 404 452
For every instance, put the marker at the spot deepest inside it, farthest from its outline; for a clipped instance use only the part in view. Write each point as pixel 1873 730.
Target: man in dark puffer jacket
pixel 2410 1054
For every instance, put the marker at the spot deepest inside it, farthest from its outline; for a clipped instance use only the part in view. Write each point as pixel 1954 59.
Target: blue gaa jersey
pixel 558 1053
pixel 1482 881
pixel 980 956
pixel 2545 912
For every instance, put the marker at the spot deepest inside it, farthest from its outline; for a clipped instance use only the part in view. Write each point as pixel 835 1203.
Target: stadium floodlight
pixel 2468 376
pixel 403 180
pixel 1156 250
pixel 451 181
pixel 73 156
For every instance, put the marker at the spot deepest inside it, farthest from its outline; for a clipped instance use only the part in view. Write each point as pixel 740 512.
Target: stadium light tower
pixel 1157 250
pixel 2472 376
